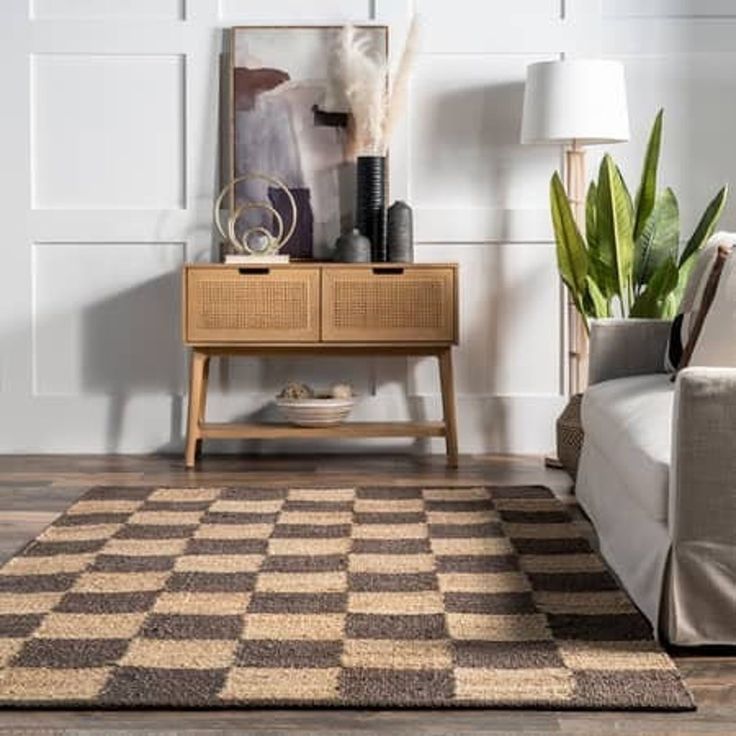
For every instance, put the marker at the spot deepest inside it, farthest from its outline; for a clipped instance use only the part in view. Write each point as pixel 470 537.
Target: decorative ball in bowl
pixel 303 406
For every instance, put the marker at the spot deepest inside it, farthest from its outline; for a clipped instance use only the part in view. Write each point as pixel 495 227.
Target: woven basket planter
pixel 570 435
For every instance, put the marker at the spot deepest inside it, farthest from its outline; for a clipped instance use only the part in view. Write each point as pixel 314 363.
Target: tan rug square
pixel 216 604
pixel 166 518
pixel 483 582
pixel 391 564
pixel 159 653
pixel 77 533
pixel 464 546
pixel 397 654
pixel 390 531
pixel 262 684
pixel 455 494
pixel 561 563
pixel 306 582
pixel 104 507
pixel 325 626
pixel 613 655
pixel 120 582
pixel 313 546
pixel 184 494
pixel 24 603
pixel 218 563
pixel 47 565
pixel 513 686
pixel 145 547
pixel 233 531
pixel 90 625
pixel 481 627
pixel 47 685
pixel 426 601
pixel 321 494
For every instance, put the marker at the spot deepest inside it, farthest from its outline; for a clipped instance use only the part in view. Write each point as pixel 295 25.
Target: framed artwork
pixel 289 122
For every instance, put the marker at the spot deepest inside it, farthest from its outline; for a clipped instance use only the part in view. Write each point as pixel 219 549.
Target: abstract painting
pixel 289 122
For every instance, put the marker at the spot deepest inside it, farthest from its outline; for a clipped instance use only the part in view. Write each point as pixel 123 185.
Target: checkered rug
pixel 223 597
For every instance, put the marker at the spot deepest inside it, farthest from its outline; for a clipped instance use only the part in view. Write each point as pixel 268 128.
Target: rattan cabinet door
pixel 387 304
pixel 226 305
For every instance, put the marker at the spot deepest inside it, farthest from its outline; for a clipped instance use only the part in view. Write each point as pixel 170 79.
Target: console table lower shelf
pixel 198 429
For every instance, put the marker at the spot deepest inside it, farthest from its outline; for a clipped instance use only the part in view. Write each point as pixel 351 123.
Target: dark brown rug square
pixel 355 597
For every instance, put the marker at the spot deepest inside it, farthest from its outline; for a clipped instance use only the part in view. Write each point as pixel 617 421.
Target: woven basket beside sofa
pixel 570 435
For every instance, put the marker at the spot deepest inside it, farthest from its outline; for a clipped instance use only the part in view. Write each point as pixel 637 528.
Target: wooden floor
pixel 34 490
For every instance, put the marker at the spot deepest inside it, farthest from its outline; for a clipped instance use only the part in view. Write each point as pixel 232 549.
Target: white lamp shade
pixel 582 100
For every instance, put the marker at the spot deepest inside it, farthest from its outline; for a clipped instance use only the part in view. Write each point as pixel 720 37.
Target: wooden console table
pixel 319 309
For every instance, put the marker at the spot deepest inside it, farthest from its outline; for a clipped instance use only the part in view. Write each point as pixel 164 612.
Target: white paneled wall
pixel 121 121
pixel 109 152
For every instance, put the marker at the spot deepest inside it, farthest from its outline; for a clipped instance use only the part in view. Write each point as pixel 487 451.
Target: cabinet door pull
pixel 254 271
pixel 397 270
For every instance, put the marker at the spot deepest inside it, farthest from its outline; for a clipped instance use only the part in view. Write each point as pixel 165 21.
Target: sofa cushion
pixel 629 420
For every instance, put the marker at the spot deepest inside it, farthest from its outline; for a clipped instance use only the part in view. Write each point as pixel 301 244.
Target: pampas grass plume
pixel 365 82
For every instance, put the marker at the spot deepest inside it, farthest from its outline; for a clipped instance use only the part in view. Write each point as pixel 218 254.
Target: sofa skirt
pixel 635 546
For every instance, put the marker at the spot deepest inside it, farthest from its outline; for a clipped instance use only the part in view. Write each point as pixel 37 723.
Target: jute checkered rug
pixel 220 597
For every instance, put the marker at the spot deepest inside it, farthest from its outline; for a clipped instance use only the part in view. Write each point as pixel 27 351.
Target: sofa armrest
pixel 626 347
pixel 702 506
pixel 703 486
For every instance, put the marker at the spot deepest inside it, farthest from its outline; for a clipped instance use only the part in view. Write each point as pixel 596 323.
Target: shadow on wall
pixel 131 341
pixel 132 347
pixel 462 120
pixel 477 133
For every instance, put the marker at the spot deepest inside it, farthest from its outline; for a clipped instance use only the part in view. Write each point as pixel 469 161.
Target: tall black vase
pixel 370 209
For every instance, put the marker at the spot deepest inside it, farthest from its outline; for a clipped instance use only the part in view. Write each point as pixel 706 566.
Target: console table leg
pixel 448 406
pixel 198 370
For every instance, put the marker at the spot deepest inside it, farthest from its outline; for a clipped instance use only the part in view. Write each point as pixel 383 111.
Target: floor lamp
pixel 575 103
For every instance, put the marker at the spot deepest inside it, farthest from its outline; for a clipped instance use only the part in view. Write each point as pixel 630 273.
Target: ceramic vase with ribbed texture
pixel 370 209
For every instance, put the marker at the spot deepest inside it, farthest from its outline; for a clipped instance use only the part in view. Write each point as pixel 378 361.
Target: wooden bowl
pixel 316 411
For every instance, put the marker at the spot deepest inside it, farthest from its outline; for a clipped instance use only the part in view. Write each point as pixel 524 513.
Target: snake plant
pixel 629 262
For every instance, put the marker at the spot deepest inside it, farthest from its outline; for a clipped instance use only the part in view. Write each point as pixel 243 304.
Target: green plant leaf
pixel 683 274
pixel 706 226
pixel 600 307
pixel 615 233
pixel 627 194
pixel 659 239
pixel 601 266
pixel 647 193
pixel 670 306
pixel 652 302
pixel 572 257
pixel 591 222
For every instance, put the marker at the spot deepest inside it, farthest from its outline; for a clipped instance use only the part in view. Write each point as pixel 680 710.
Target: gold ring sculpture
pixel 273 241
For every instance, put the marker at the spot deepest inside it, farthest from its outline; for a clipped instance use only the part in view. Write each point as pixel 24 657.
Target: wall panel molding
pixel 658 9
pixel 285 11
pixel 107 10
pixel 108 131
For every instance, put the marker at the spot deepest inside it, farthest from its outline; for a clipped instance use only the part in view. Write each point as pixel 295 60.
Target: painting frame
pixel 325 227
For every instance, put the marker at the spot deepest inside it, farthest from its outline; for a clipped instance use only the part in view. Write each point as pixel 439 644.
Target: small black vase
pixel 353 247
pixel 370 208
pixel 399 233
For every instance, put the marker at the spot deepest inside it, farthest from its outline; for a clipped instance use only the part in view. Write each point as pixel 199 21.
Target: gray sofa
pixel 657 477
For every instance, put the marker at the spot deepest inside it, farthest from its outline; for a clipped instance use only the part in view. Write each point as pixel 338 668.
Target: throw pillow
pixel 682 325
pixel 706 302
pixel 716 342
